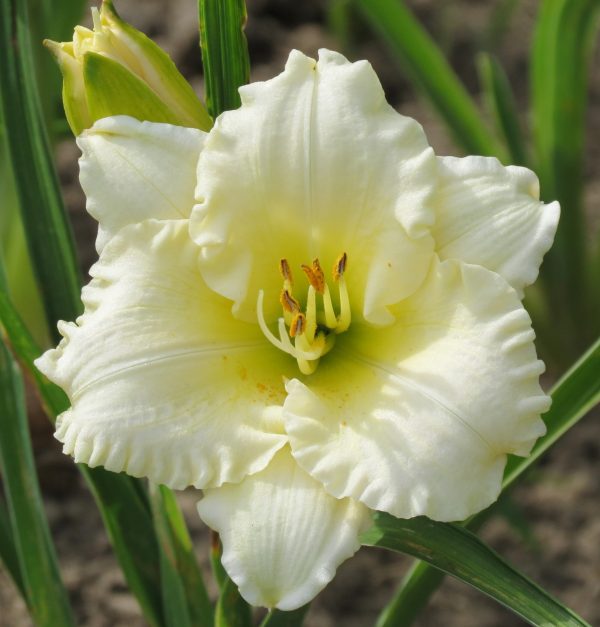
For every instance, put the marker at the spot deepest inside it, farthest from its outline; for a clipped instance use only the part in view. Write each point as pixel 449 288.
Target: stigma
pixel 308 332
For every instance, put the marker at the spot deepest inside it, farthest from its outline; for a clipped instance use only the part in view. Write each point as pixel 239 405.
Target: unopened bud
pixel 115 69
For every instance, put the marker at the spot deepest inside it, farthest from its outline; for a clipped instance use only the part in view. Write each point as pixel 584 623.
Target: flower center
pixel 310 333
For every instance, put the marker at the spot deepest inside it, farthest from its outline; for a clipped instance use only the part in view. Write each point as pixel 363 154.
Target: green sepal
pixel 113 90
pixel 73 90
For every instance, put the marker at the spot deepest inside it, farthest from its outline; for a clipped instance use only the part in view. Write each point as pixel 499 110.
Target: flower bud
pixel 115 69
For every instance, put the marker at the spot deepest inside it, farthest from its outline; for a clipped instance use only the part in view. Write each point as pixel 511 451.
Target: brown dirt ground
pixel 560 548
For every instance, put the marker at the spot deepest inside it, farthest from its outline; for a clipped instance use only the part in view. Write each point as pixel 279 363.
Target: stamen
pixel 339 267
pixel 330 317
pixel 311 313
pixel 310 334
pixel 286 271
pixel 288 302
pixel 298 324
pixel 263 325
pixel 315 275
pixel 345 313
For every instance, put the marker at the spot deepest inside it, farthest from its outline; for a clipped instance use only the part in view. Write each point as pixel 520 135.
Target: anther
pixel 298 325
pixel 315 276
pixel 288 302
pixel 285 270
pixel 339 267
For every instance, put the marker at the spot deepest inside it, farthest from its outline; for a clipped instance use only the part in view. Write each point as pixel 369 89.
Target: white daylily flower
pixel 299 399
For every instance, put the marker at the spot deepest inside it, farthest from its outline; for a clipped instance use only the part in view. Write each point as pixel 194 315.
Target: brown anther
pixel 288 302
pixel 339 267
pixel 315 276
pixel 285 270
pixel 298 325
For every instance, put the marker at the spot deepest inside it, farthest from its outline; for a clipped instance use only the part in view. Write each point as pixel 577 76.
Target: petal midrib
pixel 219 348
pixel 418 388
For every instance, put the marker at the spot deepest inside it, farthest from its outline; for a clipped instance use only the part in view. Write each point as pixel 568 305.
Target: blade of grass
pixel 463 555
pixel 224 52
pixel 577 392
pixel 428 68
pixel 121 500
pixel 501 103
pixel 185 598
pixel 47 598
pixel 48 233
pixel 563 42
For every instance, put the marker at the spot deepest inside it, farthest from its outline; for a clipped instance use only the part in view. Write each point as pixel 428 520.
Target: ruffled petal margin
pixel 315 163
pixel 491 215
pixel 163 381
pixel 417 419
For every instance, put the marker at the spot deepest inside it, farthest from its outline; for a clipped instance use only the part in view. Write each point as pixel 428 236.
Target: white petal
pixel 315 163
pixel 163 381
pixel 131 171
pixel 283 535
pixel 417 418
pixel 491 215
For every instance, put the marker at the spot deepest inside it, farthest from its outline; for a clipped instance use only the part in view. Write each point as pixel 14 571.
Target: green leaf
pixel 185 598
pixel 46 227
pixel 277 618
pixel 501 103
pixel 563 43
pixel 53 399
pixel 224 52
pixel 216 552
pixel 126 514
pixel 427 67
pixel 8 552
pixel 121 499
pixel 232 610
pixel 415 589
pixel 577 392
pixel 458 552
pixel 45 593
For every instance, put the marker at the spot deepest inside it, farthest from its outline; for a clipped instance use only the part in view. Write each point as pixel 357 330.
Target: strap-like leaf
pixel 46 596
pixel 563 43
pixel 460 553
pixel 232 610
pixel 501 103
pixel 8 552
pixel 428 68
pixel 46 225
pixel 184 594
pixel 224 52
